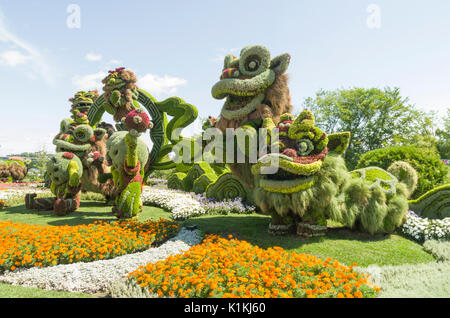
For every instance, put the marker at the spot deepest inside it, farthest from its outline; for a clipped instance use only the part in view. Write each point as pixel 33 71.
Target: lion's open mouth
pixel 237 107
pixel 289 178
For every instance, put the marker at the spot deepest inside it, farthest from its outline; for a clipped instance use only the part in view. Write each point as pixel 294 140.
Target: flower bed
pixel 422 229
pixel 184 205
pixel 24 245
pixel 231 268
pixel 181 204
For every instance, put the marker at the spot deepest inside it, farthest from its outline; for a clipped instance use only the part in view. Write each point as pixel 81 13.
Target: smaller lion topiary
pixel 65 171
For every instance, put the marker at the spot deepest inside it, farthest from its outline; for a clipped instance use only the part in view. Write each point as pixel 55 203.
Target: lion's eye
pixel 304 147
pixel 252 63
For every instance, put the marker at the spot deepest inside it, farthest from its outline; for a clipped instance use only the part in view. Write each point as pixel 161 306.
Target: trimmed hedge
pixel 430 169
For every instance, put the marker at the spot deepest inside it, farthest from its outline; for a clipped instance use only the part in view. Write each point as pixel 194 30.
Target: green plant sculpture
pixel 122 96
pixel 129 156
pixel 87 142
pixel 434 204
pixel 312 184
pixel 65 171
pixel 254 87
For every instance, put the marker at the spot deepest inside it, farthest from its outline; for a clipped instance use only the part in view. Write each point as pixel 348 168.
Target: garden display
pixel 122 217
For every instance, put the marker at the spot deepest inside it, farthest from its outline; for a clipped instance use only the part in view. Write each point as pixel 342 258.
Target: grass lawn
pixel 345 246
pixel 88 212
pixel 10 291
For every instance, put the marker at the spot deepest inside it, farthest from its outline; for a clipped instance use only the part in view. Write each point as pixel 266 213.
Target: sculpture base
pixel 306 229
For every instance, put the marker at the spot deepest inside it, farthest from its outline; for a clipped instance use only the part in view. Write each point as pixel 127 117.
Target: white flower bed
pixel 422 229
pixel 9 194
pixel 184 204
pixel 181 204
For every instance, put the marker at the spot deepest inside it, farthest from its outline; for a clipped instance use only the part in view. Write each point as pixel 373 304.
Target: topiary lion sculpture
pixel 313 184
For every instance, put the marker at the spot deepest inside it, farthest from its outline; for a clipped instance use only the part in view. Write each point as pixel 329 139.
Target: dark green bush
pixel 430 169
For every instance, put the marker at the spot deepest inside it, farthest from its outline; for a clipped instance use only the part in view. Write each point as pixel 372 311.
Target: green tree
pixel 443 144
pixel 376 118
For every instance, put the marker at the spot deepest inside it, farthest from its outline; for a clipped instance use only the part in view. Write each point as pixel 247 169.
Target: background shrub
pixel 430 169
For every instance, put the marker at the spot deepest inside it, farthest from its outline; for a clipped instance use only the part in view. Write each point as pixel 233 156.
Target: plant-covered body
pixel 128 156
pixel 85 141
pixel 65 171
pixel 313 184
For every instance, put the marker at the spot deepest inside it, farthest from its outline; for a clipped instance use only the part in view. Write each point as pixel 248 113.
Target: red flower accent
pixel 68 155
pixel 117 70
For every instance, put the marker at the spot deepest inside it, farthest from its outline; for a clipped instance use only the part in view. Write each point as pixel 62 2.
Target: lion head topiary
pixel 120 89
pixel 254 86
pixel 252 83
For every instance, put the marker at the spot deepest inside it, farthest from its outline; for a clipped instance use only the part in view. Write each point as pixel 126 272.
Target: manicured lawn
pixel 88 212
pixel 345 246
pixel 9 291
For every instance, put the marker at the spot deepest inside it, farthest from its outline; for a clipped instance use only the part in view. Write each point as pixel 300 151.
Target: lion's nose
pixel 230 72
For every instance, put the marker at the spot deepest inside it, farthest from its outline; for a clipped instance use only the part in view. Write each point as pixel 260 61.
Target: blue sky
pixel 176 48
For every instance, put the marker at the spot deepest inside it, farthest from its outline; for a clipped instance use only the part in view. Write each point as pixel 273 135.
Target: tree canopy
pixel 375 117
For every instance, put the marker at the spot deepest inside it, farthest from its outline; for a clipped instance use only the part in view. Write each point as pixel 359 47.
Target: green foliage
pixel 197 170
pixel 375 117
pixel 430 169
pixel 175 181
pixel 434 204
pixel 227 186
pixel 202 182
pixel 443 144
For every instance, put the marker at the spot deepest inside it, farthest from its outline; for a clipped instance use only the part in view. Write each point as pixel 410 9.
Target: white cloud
pixel 89 81
pixel 157 85
pixel 32 56
pixel 13 58
pixel 92 57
